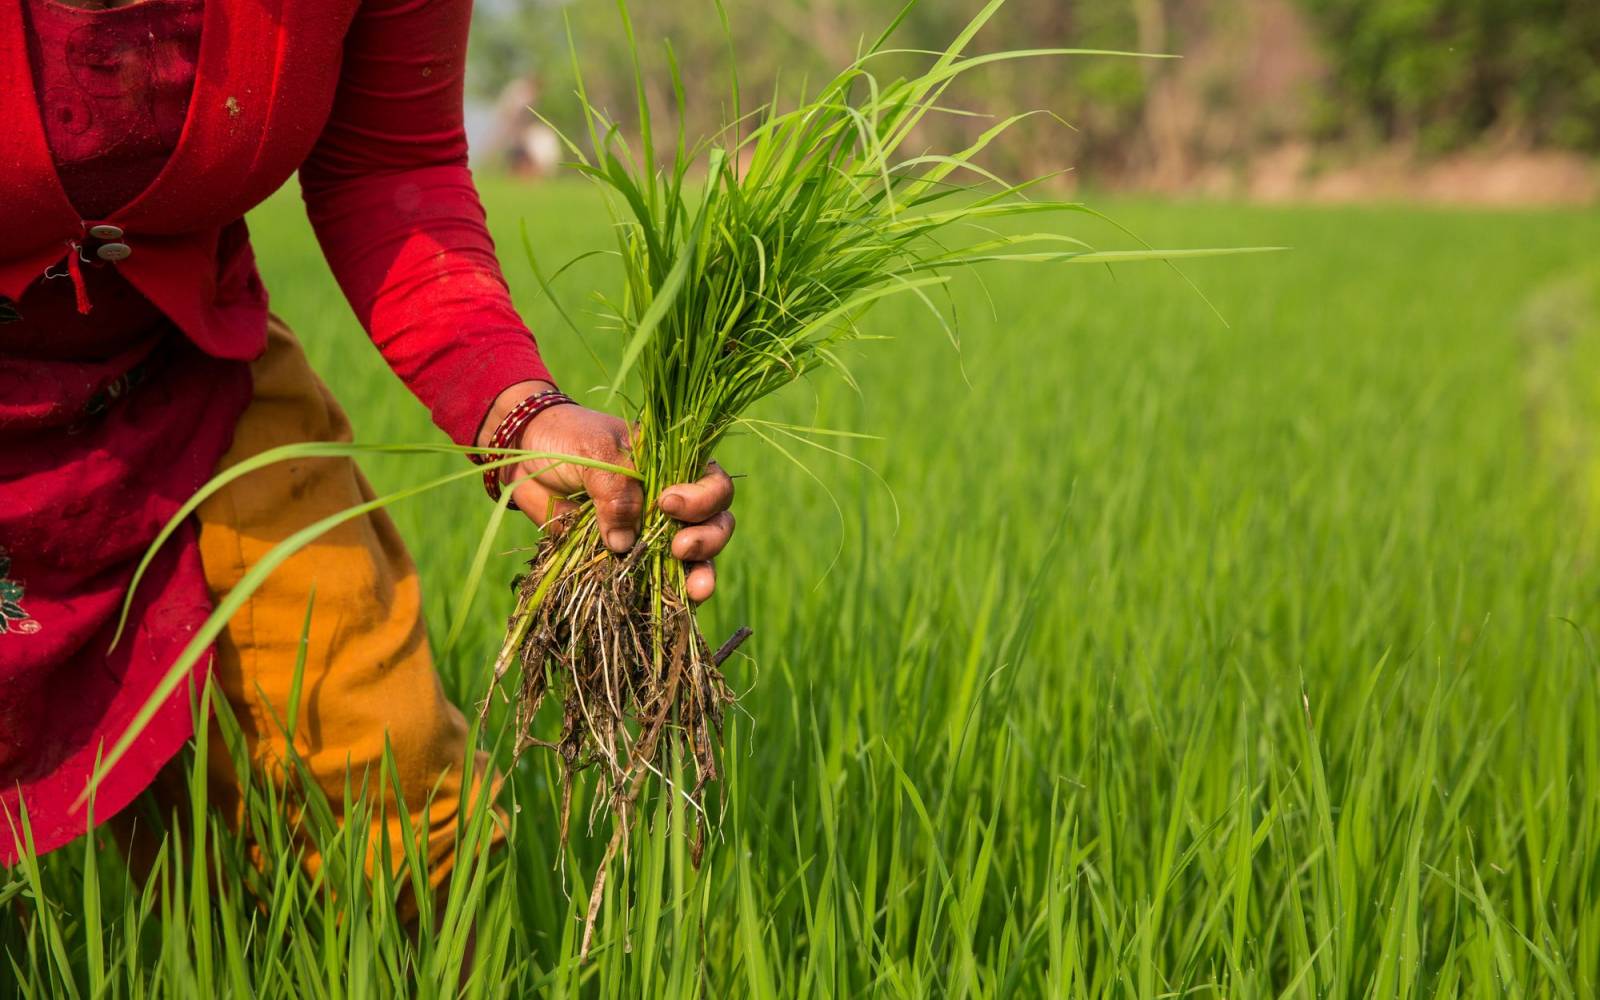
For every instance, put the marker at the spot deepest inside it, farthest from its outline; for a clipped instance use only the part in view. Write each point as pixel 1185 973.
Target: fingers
pixel 574 430
pixel 703 507
pixel 701 581
pixel 618 504
pixel 697 545
pixel 619 499
pixel 699 501
pixel 700 542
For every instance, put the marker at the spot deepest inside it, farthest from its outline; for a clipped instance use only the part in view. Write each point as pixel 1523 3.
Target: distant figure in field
pixel 528 147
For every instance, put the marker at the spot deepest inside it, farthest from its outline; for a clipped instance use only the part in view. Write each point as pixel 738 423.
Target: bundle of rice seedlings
pixel 738 281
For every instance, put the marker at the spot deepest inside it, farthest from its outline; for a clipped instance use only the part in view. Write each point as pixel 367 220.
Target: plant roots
pixel 616 639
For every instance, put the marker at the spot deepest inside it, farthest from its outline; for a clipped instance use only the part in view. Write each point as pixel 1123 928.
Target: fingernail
pixel 619 539
pixel 672 503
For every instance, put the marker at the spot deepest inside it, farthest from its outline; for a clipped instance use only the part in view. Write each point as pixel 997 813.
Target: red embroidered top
pixel 108 419
pixel 114 88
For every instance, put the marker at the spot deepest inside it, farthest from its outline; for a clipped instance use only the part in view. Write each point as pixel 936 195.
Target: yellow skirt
pixel 369 675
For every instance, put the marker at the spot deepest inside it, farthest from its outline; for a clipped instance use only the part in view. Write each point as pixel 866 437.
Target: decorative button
pixel 105 232
pixel 114 252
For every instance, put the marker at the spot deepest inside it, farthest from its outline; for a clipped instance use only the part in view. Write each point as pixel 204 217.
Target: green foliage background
pixel 1437 75
pixel 1446 72
pixel 784 45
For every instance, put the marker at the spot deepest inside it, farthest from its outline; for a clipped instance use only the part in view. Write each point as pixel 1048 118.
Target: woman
pixel 137 358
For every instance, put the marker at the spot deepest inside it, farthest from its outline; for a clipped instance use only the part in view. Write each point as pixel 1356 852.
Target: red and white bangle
pixel 509 434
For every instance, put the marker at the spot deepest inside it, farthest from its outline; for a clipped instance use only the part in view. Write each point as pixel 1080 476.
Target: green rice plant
pixel 746 261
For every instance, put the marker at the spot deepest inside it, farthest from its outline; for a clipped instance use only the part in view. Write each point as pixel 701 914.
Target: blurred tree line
pixel 1436 75
pixel 1445 73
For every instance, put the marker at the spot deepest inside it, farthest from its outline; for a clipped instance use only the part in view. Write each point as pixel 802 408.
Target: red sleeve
pixel 393 204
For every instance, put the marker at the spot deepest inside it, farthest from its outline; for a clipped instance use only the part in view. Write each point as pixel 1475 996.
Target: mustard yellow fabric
pixel 368 670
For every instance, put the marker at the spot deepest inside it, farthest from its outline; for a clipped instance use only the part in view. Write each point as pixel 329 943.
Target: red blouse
pixel 417 263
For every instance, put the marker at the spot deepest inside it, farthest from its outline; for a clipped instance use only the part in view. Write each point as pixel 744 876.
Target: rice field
pixel 1141 655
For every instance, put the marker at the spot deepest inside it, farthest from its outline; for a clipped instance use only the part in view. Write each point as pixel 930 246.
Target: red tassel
pixel 75 268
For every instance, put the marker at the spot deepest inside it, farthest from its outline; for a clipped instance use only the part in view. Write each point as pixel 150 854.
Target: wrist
pixel 503 404
pixel 525 401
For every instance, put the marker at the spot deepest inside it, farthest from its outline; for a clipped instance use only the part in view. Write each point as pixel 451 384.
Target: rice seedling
pixel 745 262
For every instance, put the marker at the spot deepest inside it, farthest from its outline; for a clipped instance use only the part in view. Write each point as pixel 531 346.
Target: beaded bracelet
pixel 509 433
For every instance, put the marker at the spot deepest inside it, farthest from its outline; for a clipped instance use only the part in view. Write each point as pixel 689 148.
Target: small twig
pixel 728 648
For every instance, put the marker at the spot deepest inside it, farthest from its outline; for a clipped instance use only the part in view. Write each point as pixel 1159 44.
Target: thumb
pixel 618 503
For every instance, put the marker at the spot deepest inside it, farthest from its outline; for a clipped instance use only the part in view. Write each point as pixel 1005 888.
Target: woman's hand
pixel 702 506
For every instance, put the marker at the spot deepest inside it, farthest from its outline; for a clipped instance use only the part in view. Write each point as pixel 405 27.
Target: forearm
pixel 394 207
pixel 412 255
